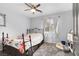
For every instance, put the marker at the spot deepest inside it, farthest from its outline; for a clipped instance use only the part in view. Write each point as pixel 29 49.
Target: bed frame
pixel 11 51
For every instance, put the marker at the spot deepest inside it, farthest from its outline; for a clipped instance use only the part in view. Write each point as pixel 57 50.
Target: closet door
pixel 76 28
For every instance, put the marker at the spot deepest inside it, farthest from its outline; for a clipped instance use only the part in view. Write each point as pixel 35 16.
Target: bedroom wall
pixel 65 24
pixel 16 23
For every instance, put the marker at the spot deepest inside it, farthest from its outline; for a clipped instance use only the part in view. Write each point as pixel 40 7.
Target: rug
pixel 49 49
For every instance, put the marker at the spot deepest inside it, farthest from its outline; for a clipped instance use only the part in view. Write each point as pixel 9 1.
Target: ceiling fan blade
pixel 31 4
pixel 28 5
pixel 38 10
pixel 27 9
pixel 37 5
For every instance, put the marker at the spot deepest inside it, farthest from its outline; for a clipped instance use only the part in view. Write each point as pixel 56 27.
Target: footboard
pixel 3 42
pixel 12 51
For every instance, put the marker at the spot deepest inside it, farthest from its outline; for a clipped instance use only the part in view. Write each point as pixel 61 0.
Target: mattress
pixel 36 38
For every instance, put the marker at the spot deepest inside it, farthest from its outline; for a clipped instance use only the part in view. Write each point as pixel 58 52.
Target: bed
pixel 26 44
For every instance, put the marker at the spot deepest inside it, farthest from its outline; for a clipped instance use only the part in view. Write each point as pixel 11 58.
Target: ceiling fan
pixel 33 8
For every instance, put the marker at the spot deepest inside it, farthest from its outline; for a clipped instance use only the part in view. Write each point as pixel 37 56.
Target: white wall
pixel 16 23
pixel 65 25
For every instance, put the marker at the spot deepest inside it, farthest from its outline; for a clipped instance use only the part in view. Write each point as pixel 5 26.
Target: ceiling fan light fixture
pixel 33 10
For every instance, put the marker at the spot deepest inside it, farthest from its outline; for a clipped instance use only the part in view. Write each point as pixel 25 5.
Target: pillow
pixel 19 37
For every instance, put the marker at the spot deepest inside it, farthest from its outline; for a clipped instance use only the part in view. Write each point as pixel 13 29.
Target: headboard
pixel 35 30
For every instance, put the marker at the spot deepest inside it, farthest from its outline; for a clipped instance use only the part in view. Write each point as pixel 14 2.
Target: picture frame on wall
pixel 2 20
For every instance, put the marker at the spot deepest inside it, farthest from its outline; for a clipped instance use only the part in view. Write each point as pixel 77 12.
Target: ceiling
pixel 47 8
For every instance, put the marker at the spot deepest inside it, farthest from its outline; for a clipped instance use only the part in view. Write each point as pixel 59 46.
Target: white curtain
pixel 57 30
